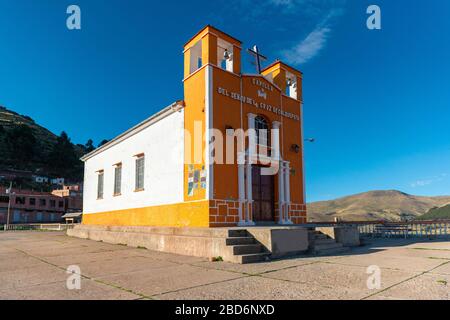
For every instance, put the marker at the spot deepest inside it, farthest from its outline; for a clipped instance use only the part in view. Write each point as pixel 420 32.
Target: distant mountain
pixel 25 145
pixel 436 213
pixel 389 205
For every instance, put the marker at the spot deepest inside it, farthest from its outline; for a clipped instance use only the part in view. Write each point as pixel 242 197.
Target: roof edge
pixel 174 107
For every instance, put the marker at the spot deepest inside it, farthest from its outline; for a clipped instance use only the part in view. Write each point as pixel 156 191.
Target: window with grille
pixel 100 185
pixel 140 166
pixel 118 179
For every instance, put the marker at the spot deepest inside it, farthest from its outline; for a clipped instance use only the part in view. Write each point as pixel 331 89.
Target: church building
pixel 177 168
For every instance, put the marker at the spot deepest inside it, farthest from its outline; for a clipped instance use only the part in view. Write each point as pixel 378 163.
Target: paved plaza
pixel 33 266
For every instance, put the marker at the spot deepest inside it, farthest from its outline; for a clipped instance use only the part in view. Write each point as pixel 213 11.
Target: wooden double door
pixel 263 196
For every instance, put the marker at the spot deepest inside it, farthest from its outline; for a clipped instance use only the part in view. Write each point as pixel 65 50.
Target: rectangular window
pixel 53 203
pixel 42 202
pixel 60 204
pixel 100 185
pixel 118 179
pixel 140 166
pixel 20 200
pixel 32 201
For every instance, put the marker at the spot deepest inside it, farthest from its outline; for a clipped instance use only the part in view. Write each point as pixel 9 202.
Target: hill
pixel 11 121
pixel 389 205
pixel 25 145
pixel 436 213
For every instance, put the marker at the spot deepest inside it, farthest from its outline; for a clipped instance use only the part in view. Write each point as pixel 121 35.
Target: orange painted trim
pixel 281 65
pixel 184 214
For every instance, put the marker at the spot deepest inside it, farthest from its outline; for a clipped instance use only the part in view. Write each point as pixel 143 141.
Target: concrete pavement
pixel 33 266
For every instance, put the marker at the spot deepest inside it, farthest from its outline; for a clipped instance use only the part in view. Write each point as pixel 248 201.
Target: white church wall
pixel 162 143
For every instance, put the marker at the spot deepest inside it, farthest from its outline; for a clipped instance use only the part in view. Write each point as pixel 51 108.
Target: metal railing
pixel 383 229
pixel 36 227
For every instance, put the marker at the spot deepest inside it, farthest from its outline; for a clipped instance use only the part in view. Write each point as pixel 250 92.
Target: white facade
pixel 161 140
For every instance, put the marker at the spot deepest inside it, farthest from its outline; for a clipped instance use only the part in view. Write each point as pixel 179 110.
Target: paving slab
pixel 177 258
pixel 336 276
pixel 90 290
pixel 99 269
pixel 424 287
pixel 391 261
pixel 152 282
pixel 107 256
pixel 260 288
pixel 12 263
pixel 442 269
pixel 262 267
pixel 39 274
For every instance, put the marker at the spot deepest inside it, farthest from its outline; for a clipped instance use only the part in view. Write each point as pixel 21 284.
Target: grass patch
pixel 140 247
pixel 217 259
pixel 122 244
pixel 443 282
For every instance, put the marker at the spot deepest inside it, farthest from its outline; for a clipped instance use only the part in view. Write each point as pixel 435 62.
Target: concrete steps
pixel 321 244
pixel 245 248
pixel 234 241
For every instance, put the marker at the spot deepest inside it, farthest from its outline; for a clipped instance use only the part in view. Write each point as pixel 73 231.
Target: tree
pixel 63 160
pixel 104 141
pixel 89 146
pixel 21 145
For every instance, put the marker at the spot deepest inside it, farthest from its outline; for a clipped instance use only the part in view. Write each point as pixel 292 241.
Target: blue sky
pixel 377 101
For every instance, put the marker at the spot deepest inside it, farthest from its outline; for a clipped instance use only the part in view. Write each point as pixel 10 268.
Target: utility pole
pixel 9 206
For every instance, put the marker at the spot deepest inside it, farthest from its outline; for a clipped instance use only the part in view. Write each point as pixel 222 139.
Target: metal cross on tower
pixel 258 57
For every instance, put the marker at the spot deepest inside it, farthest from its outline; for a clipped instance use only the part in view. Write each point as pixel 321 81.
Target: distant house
pixel 30 207
pixel 72 195
pixel 74 217
pixel 27 206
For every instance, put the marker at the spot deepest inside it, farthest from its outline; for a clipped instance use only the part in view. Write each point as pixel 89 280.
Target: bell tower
pixel 288 79
pixel 208 53
pixel 213 47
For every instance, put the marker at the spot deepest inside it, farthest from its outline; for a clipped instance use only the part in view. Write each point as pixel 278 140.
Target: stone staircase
pixel 320 244
pixel 244 247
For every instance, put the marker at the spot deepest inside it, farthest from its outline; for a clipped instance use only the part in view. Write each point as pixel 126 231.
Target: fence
pixel 37 227
pixel 383 229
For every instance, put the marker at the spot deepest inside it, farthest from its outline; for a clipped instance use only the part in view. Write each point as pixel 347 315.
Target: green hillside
pixel 25 145
pixel 437 213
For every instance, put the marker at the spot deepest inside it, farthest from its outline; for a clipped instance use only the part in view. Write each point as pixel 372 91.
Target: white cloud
pixel 427 182
pixel 308 48
pixel 313 43
pixel 292 17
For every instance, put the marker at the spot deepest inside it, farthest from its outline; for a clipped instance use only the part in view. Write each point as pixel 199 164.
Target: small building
pixel 72 195
pixel 27 206
pixel 72 217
